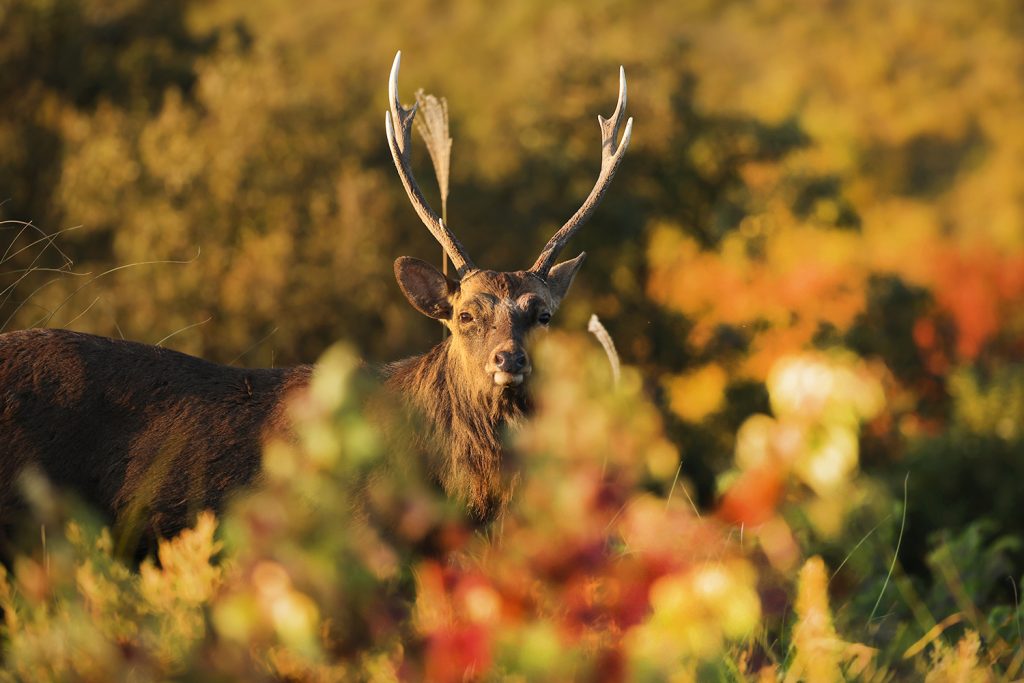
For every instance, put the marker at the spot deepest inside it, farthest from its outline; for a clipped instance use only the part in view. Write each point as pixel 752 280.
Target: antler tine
pixel 611 157
pixel 398 125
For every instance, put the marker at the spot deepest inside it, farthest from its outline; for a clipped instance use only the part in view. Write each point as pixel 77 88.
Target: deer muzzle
pixel 509 368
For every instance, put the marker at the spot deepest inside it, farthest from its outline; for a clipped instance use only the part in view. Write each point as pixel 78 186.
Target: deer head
pixel 489 313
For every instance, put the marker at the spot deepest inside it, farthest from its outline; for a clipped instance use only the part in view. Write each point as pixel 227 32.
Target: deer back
pixel 134 429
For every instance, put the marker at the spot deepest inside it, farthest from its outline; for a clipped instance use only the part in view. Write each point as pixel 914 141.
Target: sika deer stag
pixel 132 427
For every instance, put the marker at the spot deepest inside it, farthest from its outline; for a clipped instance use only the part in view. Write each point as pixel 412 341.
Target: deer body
pixel 126 424
pixel 151 436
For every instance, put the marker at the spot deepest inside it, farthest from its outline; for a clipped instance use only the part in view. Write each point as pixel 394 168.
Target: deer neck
pixel 435 384
pixel 463 427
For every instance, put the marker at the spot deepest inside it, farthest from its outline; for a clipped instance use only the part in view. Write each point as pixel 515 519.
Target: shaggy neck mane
pixel 463 427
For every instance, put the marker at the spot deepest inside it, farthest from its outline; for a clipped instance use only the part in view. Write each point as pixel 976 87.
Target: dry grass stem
pixel 432 125
pixel 598 330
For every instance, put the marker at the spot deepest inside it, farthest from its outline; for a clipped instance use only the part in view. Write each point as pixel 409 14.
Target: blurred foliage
pixel 347 564
pixel 812 258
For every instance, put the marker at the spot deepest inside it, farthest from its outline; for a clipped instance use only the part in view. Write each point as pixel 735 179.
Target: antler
pixel 398 124
pixel 611 157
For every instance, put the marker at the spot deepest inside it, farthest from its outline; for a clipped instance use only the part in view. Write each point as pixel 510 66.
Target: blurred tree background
pixel 803 175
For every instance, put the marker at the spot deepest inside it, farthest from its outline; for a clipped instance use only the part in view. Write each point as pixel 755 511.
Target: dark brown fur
pixel 462 429
pixel 145 434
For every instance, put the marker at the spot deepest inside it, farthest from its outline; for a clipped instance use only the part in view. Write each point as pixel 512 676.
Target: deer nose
pixel 510 361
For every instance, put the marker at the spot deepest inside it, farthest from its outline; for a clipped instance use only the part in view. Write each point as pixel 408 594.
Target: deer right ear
pixel 425 287
pixel 561 276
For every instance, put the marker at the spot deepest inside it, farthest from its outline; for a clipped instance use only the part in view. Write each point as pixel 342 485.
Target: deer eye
pixel 465 317
pixel 544 318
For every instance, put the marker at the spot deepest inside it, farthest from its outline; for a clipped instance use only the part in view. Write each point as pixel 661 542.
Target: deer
pixel 144 431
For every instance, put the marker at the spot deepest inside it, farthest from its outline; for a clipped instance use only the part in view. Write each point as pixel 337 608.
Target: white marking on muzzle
pixel 507 378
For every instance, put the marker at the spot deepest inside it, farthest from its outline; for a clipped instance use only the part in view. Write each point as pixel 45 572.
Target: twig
pixel 895 555
pixel 859 544
pixel 183 329
pixel 108 272
pixel 69 323
pixel 253 346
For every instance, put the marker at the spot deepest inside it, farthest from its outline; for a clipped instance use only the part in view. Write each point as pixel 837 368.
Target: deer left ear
pixel 561 275
pixel 426 288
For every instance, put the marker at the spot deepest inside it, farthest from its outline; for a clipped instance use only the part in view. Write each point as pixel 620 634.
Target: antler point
pixel 611 156
pixel 393 79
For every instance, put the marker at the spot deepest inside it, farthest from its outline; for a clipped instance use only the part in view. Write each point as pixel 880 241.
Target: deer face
pixel 490 315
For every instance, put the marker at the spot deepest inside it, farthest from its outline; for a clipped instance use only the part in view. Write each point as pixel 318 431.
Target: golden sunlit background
pixel 811 262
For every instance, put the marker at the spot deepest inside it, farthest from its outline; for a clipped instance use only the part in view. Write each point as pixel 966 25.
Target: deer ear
pixel 561 275
pixel 425 287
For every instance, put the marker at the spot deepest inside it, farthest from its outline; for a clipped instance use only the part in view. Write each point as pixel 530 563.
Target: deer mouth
pixel 507 379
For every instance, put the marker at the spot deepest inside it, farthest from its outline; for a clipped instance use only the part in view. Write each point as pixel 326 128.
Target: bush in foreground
pixel 345 565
